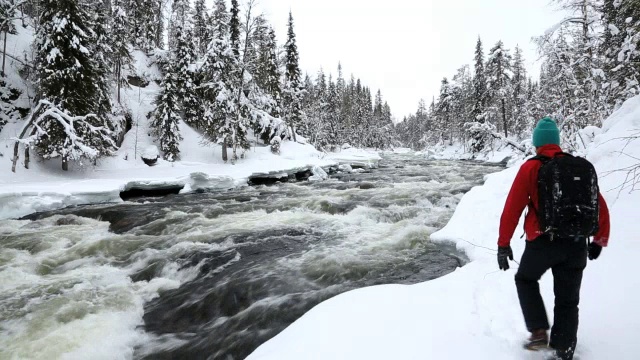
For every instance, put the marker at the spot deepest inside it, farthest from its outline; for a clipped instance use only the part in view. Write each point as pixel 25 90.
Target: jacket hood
pixel 549 150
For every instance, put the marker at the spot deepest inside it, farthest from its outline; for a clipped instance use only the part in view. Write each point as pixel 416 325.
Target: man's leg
pixel 536 260
pixel 567 278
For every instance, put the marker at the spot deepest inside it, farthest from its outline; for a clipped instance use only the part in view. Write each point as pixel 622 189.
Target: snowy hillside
pixel 474 312
pixel 44 186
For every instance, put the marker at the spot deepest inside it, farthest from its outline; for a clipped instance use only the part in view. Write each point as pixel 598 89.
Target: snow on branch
pixel 81 136
pixel 11 10
pixel 485 129
pixel 631 181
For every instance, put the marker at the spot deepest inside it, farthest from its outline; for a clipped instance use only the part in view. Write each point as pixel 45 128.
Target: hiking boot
pixel 538 340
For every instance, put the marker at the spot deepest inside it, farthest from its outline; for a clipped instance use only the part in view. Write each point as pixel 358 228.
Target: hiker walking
pixel 564 209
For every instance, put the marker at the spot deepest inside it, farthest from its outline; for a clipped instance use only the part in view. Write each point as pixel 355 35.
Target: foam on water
pixel 71 288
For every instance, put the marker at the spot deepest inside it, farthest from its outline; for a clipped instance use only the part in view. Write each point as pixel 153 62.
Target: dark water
pixel 215 275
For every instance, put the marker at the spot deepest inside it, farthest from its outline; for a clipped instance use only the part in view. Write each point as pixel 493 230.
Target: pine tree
pixel 70 78
pixel 218 90
pixel 120 40
pixel 8 110
pixel 219 20
pixel 183 56
pixel 267 73
pixel 166 117
pixel 292 89
pixel 334 128
pixel 518 88
pixel 100 23
pixel 588 108
pixel 146 16
pixel 201 31
pixel 479 84
pixel 7 14
pixel 234 26
pixel 621 41
pixel 462 103
pixel 443 111
pixel 498 70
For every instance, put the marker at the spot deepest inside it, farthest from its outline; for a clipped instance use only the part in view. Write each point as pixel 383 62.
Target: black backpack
pixel 567 196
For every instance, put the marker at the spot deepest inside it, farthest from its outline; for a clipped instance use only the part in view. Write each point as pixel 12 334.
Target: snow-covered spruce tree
pixel 120 41
pixel 621 50
pixel 201 31
pixel 178 99
pixel 479 84
pixel 443 112
pixel 479 99
pixel 462 103
pixel 292 89
pixel 183 56
pixel 518 88
pixel 580 32
pixel 267 74
pixel 234 27
pixel 219 22
pixel 251 103
pixel 7 14
pixel 334 125
pixel 101 17
pixel 8 94
pixel 498 73
pixel 69 77
pixel 8 111
pixel 166 117
pixel 146 22
pixel 317 113
pixel 217 88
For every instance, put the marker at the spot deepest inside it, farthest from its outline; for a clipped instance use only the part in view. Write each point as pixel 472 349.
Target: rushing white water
pixel 218 274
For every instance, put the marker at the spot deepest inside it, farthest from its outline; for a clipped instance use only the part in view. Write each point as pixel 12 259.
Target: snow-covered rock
pixel 318 174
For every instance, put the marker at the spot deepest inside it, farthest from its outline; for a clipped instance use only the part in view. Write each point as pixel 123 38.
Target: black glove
pixel 594 251
pixel 504 253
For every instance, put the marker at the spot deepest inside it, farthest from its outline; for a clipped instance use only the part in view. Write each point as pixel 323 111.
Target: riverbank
pixel 474 313
pixel 45 187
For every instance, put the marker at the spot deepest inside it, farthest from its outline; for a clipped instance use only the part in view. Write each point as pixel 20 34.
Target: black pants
pixel 567 259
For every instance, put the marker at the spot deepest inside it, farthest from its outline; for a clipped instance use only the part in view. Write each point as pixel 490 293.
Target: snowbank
pixel 44 187
pixel 458 151
pixel 474 312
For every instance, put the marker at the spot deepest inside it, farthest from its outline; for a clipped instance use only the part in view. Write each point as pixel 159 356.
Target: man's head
pixel 545 133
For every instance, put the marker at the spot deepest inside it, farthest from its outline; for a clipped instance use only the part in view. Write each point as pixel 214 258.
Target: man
pixel 566 257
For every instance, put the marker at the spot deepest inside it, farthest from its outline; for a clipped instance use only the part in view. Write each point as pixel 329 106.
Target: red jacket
pixel 525 187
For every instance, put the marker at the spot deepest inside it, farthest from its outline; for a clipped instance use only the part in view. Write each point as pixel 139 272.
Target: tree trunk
pixel 118 80
pixel 4 52
pixel 26 157
pixel 293 134
pixel 504 119
pixel 65 163
pixel 224 151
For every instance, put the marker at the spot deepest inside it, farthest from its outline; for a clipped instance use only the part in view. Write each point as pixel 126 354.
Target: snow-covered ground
pixel 474 313
pixel 44 186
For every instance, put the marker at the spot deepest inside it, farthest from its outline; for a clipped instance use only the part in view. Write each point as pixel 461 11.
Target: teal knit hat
pixel 546 132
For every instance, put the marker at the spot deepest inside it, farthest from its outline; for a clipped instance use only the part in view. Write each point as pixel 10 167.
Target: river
pixel 214 275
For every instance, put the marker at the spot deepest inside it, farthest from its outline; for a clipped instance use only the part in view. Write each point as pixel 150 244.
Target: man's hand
pixel 504 255
pixel 594 251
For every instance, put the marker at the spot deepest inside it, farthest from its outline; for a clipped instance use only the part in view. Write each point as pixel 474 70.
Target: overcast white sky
pixel 406 47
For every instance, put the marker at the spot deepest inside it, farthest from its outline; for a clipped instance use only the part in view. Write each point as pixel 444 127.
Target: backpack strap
pixel 540 158
pixel 543 159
